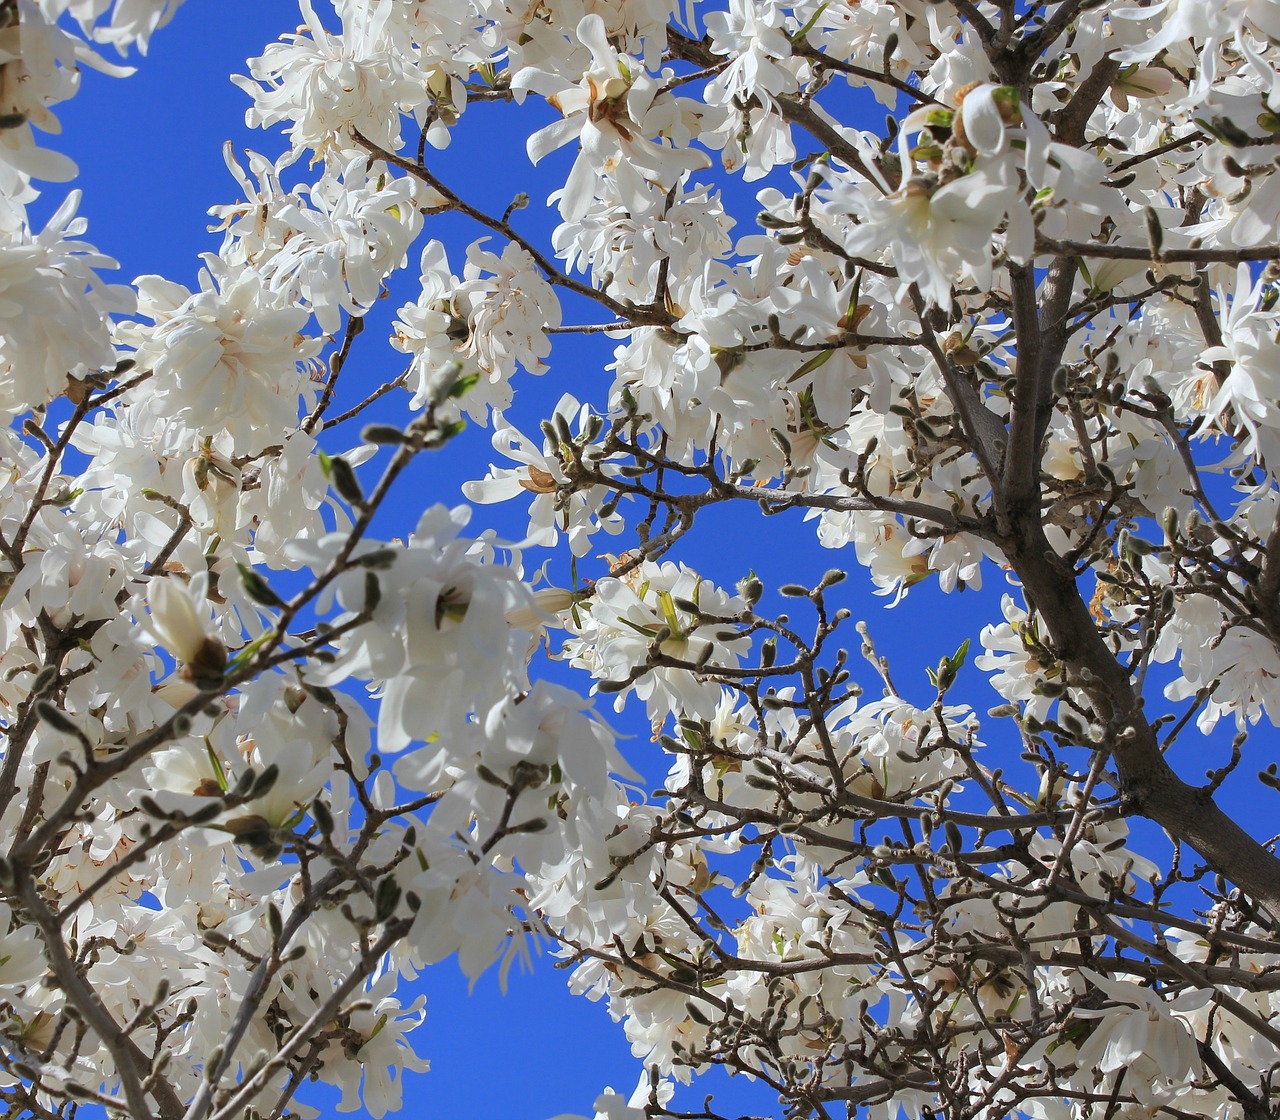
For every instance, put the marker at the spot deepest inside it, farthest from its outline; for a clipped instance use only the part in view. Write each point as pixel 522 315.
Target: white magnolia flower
pixel 180 615
pixel 753 37
pixel 437 645
pixel 227 358
pixel 627 618
pixel 613 111
pixel 325 85
pixel 938 232
pixel 1140 1024
pixel 329 251
pixel 53 309
pixel 555 507
pixel 1250 392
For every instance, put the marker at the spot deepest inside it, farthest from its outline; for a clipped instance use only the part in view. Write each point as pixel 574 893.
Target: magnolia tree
pixel 260 767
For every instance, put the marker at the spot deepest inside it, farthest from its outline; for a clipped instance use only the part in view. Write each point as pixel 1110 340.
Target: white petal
pixel 174 614
pixel 1020 239
pixel 982 122
pixel 593 36
pixel 555 135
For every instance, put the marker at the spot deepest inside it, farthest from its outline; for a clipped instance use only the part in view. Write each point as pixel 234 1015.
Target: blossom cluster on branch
pixel 1023 335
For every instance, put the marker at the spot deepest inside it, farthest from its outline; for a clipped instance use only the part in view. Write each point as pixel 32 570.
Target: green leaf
pixel 463 385
pixel 816 362
pixel 219 774
pixel 812 22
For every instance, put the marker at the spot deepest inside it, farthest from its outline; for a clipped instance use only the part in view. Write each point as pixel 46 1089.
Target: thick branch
pixel 1146 779
pixel 1220 255
pixel 1042 337
pixel 131 1064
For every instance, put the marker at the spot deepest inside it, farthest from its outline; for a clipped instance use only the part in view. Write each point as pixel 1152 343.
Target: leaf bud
pixel 44 680
pixel 533 824
pixel 1130 542
pixel 606 882
pixel 205 813
pixel 263 782
pixel 323 695
pixel 215 939
pixel 345 482
pixel 56 718
pixel 382 433
pixel 323 816
pixel 1072 726
pixel 151 807
pixel 461 386
pixel 486 775
pixel 695 1013
pixel 386 898
pixel 1155 231
pixel 378 559
pixel 610 506
pixel 257 588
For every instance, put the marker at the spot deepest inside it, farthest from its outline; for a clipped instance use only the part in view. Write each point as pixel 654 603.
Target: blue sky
pixel 149 149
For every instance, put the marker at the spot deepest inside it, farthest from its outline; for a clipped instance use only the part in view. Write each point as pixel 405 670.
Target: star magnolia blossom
pixel 272 744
